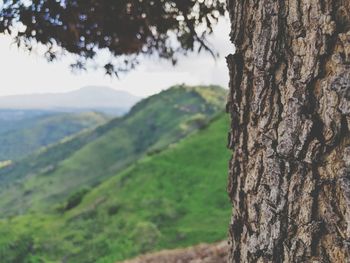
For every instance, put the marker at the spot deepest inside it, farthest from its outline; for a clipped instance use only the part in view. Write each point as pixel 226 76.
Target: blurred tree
pixel 127 28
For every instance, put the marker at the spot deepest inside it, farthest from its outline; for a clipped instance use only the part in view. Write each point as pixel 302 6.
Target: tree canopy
pixel 126 28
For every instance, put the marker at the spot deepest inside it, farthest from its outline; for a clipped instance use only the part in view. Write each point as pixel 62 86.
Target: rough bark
pixel 289 178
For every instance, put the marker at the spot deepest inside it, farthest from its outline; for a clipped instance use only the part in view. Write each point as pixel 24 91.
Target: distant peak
pixel 89 97
pixel 96 89
pixel 103 90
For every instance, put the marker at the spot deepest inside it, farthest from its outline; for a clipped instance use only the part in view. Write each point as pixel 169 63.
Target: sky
pixel 23 73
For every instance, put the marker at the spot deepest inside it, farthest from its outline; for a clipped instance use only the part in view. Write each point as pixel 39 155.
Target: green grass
pixel 33 133
pixel 174 198
pixel 40 182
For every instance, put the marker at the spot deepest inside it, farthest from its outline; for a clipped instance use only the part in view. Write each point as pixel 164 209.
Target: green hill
pixel 173 198
pixel 46 159
pixel 21 138
pixel 88 159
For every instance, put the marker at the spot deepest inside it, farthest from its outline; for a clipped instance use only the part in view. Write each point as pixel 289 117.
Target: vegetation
pixel 18 139
pixel 173 198
pixel 39 182
pixel 127 29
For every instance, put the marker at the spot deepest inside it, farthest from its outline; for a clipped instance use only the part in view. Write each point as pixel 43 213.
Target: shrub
pixel 76 198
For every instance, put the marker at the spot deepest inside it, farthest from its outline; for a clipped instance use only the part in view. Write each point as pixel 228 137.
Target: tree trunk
pixel 289 178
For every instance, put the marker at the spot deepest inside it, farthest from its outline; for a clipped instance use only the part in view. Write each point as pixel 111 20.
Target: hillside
pixel 19 138
pixel 12 119
pixel 171 199
pixel 91 98
pixel 150 126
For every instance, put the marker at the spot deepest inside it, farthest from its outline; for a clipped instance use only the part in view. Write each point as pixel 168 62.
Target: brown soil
pixel 204 253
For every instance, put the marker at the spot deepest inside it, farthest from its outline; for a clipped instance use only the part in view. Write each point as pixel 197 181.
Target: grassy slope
pixel 47 158
pixel 31 134
pixel 151 125
pixel 170 199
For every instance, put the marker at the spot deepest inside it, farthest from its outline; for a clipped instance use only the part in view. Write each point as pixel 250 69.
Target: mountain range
pixel 103 99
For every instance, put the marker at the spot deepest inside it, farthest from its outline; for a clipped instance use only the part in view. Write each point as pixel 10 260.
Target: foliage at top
pixel 126 28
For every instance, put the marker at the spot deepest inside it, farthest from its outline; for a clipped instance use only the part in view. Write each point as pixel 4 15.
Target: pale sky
pixel 23 73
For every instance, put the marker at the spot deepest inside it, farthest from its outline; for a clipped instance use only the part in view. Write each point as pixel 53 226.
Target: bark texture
pixel 289 102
